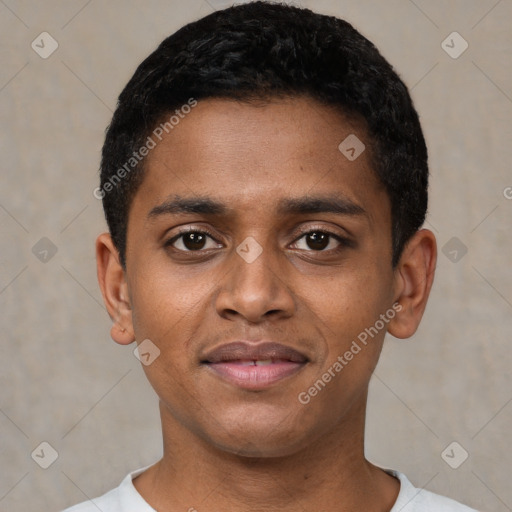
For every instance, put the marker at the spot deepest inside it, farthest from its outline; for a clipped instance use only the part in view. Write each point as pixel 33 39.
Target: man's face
pixel 251 272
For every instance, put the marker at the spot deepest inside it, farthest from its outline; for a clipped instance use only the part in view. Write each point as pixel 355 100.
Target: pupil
pixel 318 240
pixel 193 241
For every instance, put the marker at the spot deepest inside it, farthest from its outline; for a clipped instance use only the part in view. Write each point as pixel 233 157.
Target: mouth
pixel 251 366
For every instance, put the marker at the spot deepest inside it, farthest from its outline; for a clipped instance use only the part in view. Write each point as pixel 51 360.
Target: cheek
pixel 164 309
pixel 347 309
pixel 163 300
pixel 350 300
pixel 168 308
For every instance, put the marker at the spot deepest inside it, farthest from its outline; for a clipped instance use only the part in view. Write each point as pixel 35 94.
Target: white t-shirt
pixel 125 498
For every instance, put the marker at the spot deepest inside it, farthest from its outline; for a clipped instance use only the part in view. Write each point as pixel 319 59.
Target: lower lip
pixel 254 376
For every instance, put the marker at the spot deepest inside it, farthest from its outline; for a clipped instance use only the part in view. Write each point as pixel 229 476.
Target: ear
pixel 114 288
pixel 413 278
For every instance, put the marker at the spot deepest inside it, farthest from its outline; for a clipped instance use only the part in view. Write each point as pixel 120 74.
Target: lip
pixel 254 366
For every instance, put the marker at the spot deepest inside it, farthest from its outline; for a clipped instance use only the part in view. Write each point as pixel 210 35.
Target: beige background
pixel 65 382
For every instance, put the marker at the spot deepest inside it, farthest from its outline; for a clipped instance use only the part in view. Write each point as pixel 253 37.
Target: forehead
pixel 258 155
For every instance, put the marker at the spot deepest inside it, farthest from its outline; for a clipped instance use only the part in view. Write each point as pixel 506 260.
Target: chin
pixel 260 448
pixel 262 439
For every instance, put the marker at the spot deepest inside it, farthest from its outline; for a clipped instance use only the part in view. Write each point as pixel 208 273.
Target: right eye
pixel 192 240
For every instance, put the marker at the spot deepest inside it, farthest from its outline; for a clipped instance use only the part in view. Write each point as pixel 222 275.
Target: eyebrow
pixel 301 205
pixel 179 204
pixel 323 204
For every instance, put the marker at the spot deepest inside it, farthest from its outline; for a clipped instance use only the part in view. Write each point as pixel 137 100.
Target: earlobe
pixel 121 335
pixel 414 276
pixel 114 288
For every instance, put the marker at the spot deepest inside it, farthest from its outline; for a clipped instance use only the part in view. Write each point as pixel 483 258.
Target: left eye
pixel 320 240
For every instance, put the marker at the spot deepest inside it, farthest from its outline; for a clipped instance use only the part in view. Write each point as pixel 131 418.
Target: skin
pixel 227 448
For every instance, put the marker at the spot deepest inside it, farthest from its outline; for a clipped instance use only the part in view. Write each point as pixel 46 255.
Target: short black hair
pixel 259 51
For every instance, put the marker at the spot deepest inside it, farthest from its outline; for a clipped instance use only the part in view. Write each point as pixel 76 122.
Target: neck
pixel 329 473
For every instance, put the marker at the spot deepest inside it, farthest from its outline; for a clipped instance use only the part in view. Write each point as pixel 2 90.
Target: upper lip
pixel 243 350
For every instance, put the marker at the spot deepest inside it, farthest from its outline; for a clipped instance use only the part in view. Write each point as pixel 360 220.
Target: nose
pixel 255 290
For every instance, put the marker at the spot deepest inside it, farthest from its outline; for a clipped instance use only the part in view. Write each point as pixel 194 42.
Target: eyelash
pixel 343 242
